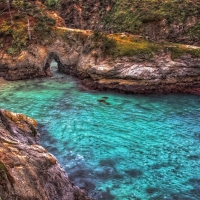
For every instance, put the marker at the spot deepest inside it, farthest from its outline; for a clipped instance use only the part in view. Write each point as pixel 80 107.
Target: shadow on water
pixel 151 190
pixel 103 195
pixel 133 172
pixel 194 157
pixel 191 194
pixel 47 141
pixel 107 162
pixel 80 174
pixel 197 135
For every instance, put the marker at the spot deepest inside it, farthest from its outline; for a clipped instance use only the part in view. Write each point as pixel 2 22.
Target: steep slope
pixel 175 21
pixel 85 14
pixel 28 22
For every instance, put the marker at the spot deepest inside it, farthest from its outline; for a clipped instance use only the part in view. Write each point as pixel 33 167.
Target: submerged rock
pixel 103 101
pixel 27 170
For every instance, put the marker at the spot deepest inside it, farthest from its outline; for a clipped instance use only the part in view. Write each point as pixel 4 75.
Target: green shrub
pixel 41 27
pixel 106 44
pixel 51 4
pixel 178 50
pixel 194 32
pixel 11 51
pixel 48 20
pixel 19 41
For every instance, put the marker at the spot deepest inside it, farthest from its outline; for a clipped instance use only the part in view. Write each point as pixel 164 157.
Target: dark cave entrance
pixel 53 64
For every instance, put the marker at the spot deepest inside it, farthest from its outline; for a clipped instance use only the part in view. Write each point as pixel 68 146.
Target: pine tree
pixel 22 7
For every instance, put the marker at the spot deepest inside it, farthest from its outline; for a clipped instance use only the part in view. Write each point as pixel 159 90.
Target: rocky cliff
pixel 123 63
pixel 27 170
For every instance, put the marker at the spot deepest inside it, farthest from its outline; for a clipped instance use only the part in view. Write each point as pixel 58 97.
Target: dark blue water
pixel 120 147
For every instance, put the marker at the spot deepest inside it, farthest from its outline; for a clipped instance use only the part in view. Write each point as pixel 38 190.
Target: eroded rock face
pixel 160 74
pixel 35 61
pixel 138 74
pixel 27 170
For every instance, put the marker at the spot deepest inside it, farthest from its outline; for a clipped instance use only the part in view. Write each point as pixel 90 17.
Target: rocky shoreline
pixel 27 170
pixel 136 74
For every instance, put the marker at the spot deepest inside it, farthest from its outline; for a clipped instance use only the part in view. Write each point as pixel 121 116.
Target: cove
pixel 115 146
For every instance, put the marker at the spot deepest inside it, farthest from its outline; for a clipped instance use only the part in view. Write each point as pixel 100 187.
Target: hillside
pixel 28 22
pixel 39 22
pixel 170 20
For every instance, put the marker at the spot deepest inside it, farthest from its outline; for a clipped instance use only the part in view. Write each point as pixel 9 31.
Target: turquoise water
pixel 120 147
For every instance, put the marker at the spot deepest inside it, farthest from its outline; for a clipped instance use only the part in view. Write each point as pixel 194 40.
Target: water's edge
pixel 113 145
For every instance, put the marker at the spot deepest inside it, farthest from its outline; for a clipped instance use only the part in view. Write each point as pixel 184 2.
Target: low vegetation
pixel 119 45
pixel 171 20
pixel 25 23
pixel 51 4
pixel 178 50
pixel 129 45
pixel 103 42
pixel 132 15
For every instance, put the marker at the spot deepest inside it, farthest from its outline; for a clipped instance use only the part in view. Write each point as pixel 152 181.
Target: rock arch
pixel 52 56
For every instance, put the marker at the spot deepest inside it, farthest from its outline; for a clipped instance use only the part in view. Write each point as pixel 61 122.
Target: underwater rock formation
pixel 27 170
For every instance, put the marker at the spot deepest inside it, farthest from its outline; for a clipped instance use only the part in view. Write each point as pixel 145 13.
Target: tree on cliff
pixel 23 6
pixel 5 6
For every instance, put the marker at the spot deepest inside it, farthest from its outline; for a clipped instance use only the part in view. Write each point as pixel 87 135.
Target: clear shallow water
pixel 120 147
